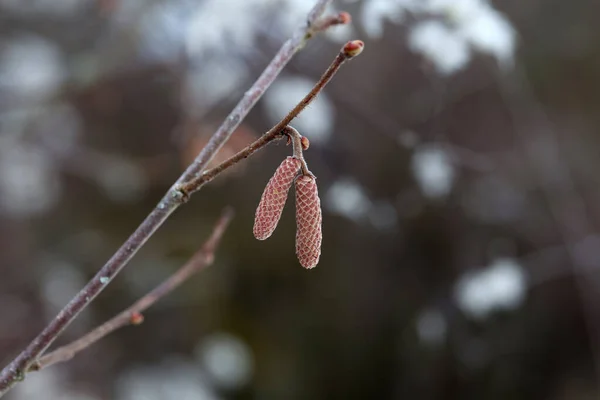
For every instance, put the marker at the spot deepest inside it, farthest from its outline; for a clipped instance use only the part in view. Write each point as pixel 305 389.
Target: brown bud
pixel 353 48
pixel 308 222
pixel 273 198
pixel 136 318
pixel 344 17
pixel 305 143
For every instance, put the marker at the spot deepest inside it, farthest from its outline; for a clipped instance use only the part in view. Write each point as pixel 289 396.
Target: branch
pixel 204 256
pixel 350 50
pixel 15 371
pixel 133 315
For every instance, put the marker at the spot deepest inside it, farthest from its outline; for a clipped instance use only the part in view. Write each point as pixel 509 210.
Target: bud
pixel 305 143
pixel 308 222
pixel 136 318
pixel 344 18
pixel 353 48
pixel 273 198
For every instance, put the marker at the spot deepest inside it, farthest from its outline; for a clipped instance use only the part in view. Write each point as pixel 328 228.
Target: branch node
pixel 299 145
pixel 180 194
pixel 19 375
pixel 305 142
pixel 36 366
pixel 136 318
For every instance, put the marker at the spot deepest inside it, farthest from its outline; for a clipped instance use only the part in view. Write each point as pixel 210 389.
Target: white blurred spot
pixel 374 13
pixel 284 15
pixel 431 327
pixel 45 383
pixel 174 379
pixel 211 28
pixel 433 170
pixel 448 51
pixel 48 384
pixel 122 180
pixel 216 25
pixel 500 286
pixel 347 198
pixel 457 11
pixel 31 67
pixel 481 25
pixel 29 182
pixel 60 282
pixel 316 122
pixel 491 33
pixel 214 80
pixel 447 41
pixel 164 29
pixel 227 359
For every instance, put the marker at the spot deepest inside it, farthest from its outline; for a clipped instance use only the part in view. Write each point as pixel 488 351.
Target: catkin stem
pixel 297 148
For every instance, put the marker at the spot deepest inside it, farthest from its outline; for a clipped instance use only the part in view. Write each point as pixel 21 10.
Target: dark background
pixel 482 286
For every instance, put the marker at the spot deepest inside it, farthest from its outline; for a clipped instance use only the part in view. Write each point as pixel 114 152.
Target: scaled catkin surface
pixel 273 198
pixel 308 222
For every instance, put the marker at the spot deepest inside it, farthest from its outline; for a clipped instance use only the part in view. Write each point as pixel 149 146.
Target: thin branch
pixel 350 50
pixel 296 139
pixel 15 371
pixel 133 315
pixel 315 24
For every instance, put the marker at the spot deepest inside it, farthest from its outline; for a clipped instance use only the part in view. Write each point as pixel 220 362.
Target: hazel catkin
pixel 308 222
pixel 273 198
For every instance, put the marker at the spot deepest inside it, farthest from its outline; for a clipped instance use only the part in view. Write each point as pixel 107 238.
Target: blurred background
pixel 457 161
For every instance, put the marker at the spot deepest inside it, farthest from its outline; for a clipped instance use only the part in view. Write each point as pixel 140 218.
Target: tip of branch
pixel 344 18
pixel 324 23
pixel 353 48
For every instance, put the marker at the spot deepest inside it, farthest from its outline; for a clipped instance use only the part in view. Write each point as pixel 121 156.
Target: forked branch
pixel 190 181
pixel 350 49
pixel 133 315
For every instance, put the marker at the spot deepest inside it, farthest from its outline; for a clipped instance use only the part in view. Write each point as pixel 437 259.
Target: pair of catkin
pixel 308 210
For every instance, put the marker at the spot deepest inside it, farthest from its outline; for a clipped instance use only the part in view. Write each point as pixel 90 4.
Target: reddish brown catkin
pixel 273 198
pixel 308 222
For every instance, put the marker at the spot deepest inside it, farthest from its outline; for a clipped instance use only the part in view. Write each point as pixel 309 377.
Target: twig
pixel 296 139
pixel 15 371
pixel 350 49
pixel 133 315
